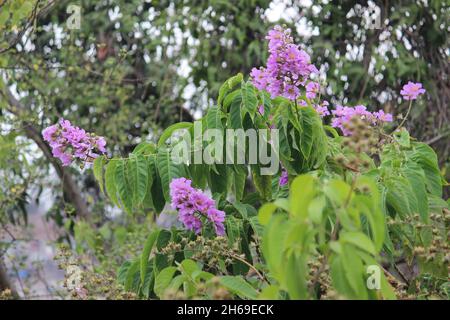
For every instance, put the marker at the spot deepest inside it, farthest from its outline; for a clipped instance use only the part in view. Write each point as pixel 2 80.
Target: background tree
pixel 368 63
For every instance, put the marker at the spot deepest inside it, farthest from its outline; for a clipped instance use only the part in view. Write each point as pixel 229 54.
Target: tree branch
pixel 32 132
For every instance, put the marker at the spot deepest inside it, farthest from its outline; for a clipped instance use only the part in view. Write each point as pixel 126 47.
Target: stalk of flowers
pixel 410 92
pixel 69 142
pixel 194 206
pixel 344 114
pixel 288 67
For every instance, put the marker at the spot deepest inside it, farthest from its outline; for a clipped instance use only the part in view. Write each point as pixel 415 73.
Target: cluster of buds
pixel 363 138
pixel 84 284
pixel 211 289
pixel 6 295
pixel 438 250
pixel 208 251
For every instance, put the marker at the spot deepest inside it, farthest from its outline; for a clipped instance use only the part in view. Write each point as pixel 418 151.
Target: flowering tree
pixel 348 200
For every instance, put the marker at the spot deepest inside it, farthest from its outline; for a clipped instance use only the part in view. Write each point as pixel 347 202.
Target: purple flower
pixel 284 179
pixel 343 115
pixel 49 133
pixel 192 205
pixel 217 217
pixel 385 117
pixel 69 142
pixel 312 89
pixel 261 110
pixel 411 90
pixel 290 91
pixel 322 109
pixel 288 67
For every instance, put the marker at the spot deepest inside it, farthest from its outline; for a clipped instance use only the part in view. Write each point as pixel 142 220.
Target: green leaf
pixel 97 168
pixel 271 292
pixel 263 183
pixel 163 280
pixel 145 148
pixel 235 119
pixel 110 180
pixel 228 85
pixel 273 245
pixel 123 187
pixel 189 267
pixel 151 176
pixel 122 272
pixel 306 137
pixel 132 278
pixel 265 212
pixel 137 168
pixel 425 157
pixel 240 177
pixel 239 286
pixel 301 193
pixel 358 239
pixel 170 130
pixel 249 99
pixel 214 118
pixel 400 196
pixel 416 178
pixel 146 252
pixel 167 170
pixel 219 181
pixel 296 277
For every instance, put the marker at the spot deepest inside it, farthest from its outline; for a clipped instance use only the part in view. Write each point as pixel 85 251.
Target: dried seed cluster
pixel 88 284
pixel 363 138
pixel 208 251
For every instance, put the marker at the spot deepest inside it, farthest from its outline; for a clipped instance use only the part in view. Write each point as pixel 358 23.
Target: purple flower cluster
pixel 411 90
pixel 69 142
pixel 312 89
pixel 322 108
pixel 343 115
pixel 288 67
pixel 192 204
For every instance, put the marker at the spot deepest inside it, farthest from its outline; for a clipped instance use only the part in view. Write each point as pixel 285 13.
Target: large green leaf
pixel 132 280
pixel 123 186
pixel 235 119
pixel 146 252
pixel 296 277
pixel 167 170
pixel 263 183
pixel 110 180
pixel 214 118
pixel 273 245
pixel 170 130
pixel 302 192
pixel 239 286
pixel 424 156
pixel 163 280
pixel 416 178
pixel 306 137
pixel 249 99
pixel 227 86
pixel 97 168
pixel 137 167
